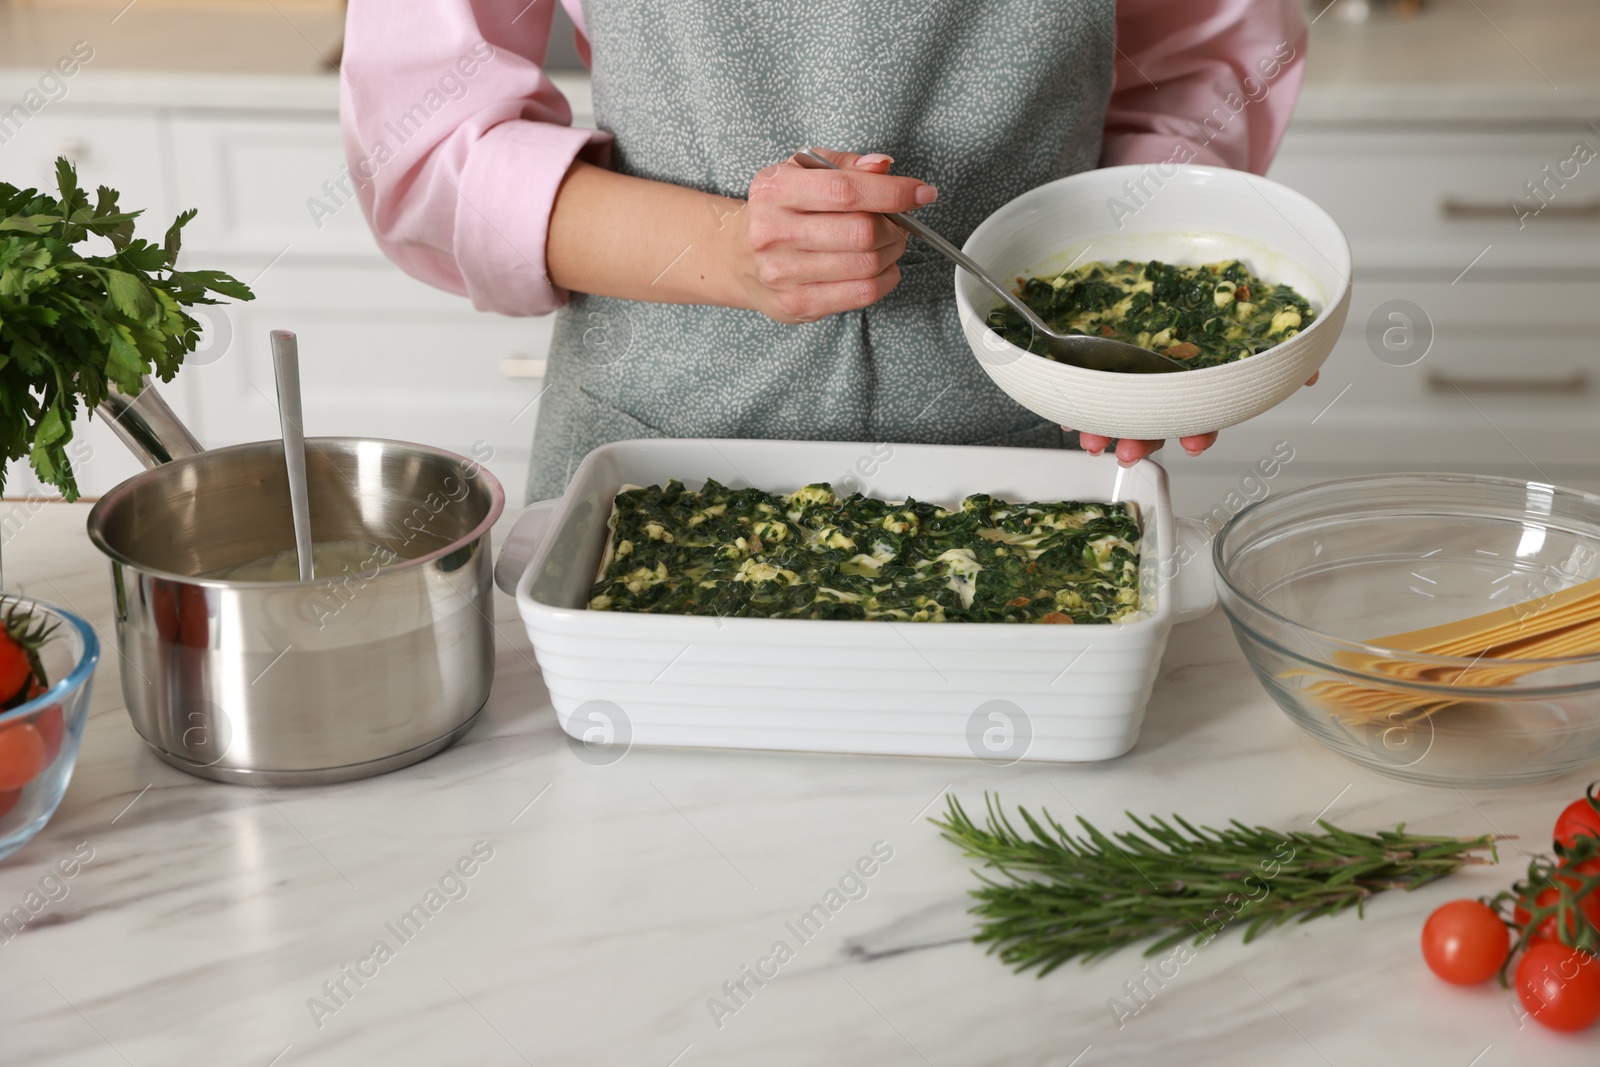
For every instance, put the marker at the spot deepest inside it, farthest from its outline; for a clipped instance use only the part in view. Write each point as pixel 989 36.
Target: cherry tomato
pixel 21 755
pixel 15 670
pixel 8 800
pixel 1464 942
pixel 1579 817
pixel 1559 986
pixel 52 728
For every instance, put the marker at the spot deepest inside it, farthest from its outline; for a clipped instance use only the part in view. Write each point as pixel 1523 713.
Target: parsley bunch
pixel 71 324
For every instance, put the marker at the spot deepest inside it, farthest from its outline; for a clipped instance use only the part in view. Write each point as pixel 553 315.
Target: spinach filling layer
pixel 813 555
pixel 1204 316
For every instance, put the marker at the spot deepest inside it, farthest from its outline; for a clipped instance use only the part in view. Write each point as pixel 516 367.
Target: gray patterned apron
pixel 985 99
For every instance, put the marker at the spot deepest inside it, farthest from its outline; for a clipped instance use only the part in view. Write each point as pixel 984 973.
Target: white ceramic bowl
pixel 1197 215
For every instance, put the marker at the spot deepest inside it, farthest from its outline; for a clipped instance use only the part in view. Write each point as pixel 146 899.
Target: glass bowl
pixel 1311 578
pixel 56 715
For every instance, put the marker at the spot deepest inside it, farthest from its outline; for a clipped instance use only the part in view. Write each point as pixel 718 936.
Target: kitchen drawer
pixel 267 185
pixel 119 149
pixel 1438 199
pixel 258 182
pixel 1511 384
pixel 1529 343
pixel 381 355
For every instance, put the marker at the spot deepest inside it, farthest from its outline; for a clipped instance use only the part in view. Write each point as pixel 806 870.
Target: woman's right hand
pixel 815 242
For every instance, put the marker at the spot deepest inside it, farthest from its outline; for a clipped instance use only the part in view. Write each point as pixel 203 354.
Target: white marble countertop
pixel 618 899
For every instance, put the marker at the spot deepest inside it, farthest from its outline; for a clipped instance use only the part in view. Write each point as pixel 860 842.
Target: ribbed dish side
pixel 1078 707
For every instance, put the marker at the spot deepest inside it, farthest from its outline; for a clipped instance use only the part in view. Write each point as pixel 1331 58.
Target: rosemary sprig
pixel 1060 896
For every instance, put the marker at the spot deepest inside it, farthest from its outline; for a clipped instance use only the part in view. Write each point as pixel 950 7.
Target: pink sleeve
pixel 1211 80
pixel 457 142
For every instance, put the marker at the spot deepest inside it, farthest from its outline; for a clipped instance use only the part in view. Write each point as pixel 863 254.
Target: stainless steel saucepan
pixel 298 682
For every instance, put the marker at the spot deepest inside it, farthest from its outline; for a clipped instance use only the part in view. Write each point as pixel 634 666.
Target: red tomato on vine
pixel 21 637
pixel 1559 986
pixel 1578 818
pixel 52 729
pixel 16 671
pixel 22 752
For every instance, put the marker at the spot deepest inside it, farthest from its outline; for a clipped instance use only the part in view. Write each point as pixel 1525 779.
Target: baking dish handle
pixel 1194 590
pixel 516 552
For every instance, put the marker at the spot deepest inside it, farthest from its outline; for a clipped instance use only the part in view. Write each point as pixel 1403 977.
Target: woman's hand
pixel 815 242
pixel 1129 452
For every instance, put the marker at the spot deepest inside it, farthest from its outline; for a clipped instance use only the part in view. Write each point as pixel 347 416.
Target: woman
pixel 707 287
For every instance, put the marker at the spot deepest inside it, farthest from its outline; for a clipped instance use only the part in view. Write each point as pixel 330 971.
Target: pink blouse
pixel 456 148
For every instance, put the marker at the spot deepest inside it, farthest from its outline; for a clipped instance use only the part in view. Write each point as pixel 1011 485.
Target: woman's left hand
pixel 1129 451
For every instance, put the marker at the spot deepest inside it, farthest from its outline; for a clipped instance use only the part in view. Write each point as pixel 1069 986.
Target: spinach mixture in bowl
pixel 1207 315
pixel 812 554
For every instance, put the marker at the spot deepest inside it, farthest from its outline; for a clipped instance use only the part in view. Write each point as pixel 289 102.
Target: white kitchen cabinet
pixel 1511 382
pixel 1488 387
pixel 381 355
pixel 1413 198
pixel 109 147
pixel 256 178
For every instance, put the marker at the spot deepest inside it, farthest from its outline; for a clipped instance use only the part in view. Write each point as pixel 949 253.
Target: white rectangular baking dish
pixel 994 691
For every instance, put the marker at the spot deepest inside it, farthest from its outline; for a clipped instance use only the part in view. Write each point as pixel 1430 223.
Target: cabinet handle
pixel 1576 382
pixel 522 367
pixel 1477 209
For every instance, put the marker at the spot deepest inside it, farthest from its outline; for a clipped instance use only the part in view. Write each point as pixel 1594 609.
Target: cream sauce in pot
pixel 329 559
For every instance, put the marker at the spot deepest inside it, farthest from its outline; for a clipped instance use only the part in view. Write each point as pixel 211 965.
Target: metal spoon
pixel 286 367
pixel 1078 350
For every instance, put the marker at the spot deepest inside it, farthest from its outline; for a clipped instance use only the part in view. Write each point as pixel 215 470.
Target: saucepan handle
pixel 516 552
pixel 150 429
pixel 1194 589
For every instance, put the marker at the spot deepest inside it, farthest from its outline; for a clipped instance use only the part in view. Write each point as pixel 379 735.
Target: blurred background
pixel 1453 140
